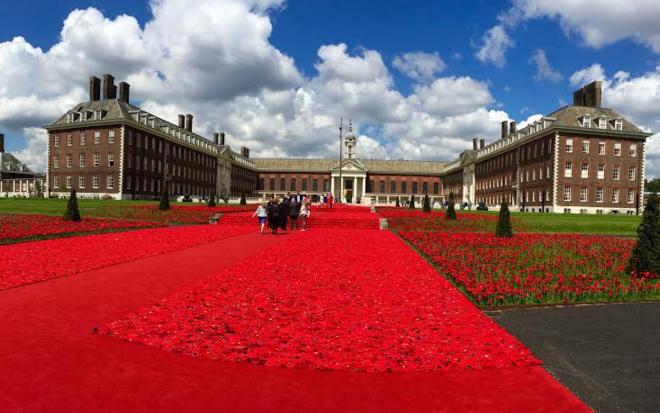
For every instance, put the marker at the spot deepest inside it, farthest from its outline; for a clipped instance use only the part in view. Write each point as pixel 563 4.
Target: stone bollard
pixel 215 218
pixel 383 223
pixel 373 208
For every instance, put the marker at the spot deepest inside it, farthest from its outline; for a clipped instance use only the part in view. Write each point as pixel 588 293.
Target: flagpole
pixel 341 127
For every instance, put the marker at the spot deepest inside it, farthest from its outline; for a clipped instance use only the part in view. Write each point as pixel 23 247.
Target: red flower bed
pixel 329 299
pixel 536 268
pixel 15 228
pixel 31 262
pixel 401 219
pixel 177 214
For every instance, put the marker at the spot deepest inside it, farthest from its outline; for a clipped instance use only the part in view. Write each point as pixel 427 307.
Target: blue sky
pixel 452 31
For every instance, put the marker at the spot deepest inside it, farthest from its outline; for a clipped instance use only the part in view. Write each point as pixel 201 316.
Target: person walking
pixel 285 209
pixel 274 214
pixel 304 214
pixel 331 200
pixel 293 214
pixel 262 214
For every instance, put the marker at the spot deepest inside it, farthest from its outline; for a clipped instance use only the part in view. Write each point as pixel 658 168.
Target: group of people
pixel 291 211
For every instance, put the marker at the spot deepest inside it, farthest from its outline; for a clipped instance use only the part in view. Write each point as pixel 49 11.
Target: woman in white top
pixel 262 214
pixel 304 214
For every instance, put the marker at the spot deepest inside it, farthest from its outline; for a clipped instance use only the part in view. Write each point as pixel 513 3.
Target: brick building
pixel 16 179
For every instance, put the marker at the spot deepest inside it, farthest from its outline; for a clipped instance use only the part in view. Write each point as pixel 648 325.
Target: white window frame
pixel 97 137
pixel 633 150
pixel 630 196
pixel 81 181
pixel 615 195
pixel 56 181
pixel 69 139
pixel 69 182
pixel 56 162
pixel 618 124
pixel 81 160
pixel 601 171
pixel 97 160
pixel 569 145
pixel 585 146
pixel 586 121
pixel 568 169
pixel 110 182
pixel 96 182
pixel 567 194
pixel 602 148
pixel 602 123
pixel 584 172
pixel 632 172
pixel 616 173
pixel 111 136
pixel 584 194
pixel 111 159
pixel 69 161
pixel 599 195
pixel 617 148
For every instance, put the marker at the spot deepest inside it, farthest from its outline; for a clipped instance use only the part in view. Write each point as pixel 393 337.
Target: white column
pixel 364 186
pixel 354 199
pixel 332 185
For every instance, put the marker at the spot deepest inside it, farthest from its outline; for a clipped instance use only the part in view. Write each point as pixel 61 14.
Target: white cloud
pixel 419 66
pixel 33 153
pixel 597 22
pixel 587 75
pixel 452 96
pixel 544 71
pixel 494 46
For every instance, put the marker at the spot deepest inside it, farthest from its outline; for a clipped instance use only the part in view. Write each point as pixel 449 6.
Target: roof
pixel 9 163
pixel 389 166
pixel 569 116
pixel 115 110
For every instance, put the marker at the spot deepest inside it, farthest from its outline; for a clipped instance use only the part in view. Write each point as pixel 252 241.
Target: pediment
pixel 353 165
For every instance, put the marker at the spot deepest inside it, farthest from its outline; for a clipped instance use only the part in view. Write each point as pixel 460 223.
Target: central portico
pixel 349 181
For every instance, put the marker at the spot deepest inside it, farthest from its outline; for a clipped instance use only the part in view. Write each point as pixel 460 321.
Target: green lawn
pixel 57 206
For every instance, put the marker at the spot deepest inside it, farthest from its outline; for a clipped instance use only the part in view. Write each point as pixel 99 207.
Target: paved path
pixel 52 361
pixel 609 355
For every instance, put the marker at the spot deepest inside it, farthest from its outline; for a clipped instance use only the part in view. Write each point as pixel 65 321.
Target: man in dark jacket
pixel 285 209
pixel 294 208
pixel 274 216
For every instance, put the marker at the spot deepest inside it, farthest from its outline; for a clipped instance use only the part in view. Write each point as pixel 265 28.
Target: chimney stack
pixel 2 142
pixel 482 143
pixel 590 95
pixel 245 151
pixel 474 144
pixel 512 127
pixel 216 138
pixel 189 122
pixel 94 88
pixel 124 92
pixel 505 129
pixel 109 88
pixel 222 138
pixel 182 121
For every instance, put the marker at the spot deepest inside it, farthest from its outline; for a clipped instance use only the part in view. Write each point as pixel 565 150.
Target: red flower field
pixel 402 219
pixel 177 214
pixel 535 268
pixel 15 227
pixel 328 299
pixel 30 262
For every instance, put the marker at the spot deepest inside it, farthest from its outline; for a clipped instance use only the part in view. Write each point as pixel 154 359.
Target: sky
pixel 419 79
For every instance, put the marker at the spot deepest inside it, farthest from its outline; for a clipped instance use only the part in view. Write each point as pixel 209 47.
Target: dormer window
pixel 618 124
pixel 98 114
pixel 602 123
pixel 71 117
pixel 586 121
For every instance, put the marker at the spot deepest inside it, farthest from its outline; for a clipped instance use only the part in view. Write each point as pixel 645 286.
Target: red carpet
pixel 52 361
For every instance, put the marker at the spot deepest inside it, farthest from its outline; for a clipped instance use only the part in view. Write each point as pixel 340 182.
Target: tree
pixel 212 199
pixel 652 185
pixel 243 200
pixel 451 212
pixel 646 252
pixel 164 198
pixel 72 213
pixel 504 228
pixel 426 204
pixel 411 205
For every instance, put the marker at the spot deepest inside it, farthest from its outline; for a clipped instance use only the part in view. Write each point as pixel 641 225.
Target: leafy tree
pixel 646 253
pixel 72 213
pixel 451 212
pixel 652 185
pixel 504 228
pixel 212 199
pixel 426 204
pixel 411 205
pixel 243 200
pixel 164 198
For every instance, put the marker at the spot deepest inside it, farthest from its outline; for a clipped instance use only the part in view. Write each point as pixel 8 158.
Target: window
pixel 583 194
pixel 567 193
pixel 56 181
pixel 393 187
pixel 534 175
pixel 56 141
pixel 293 184
pixel 599 195
pixel 382 187
pixel 585 146
pixel 601 148
pixel 83 138
pixel 315 185
pixel 584 170
pixel 533 196
pixel 81 181
pixel 618 124
pixel 68 182
pixel 568 170
pixel 631 173
pixel 111 136
pixel 601 171
pixel 631 196
pixel 404 187
pixel 97 137
pixel 436 187
pixel 69 161
pixel 96 182
pixel 110 182
pixel 616 173
pixel 569 145
pixel 540 173
pixel 547 172
pixel 425 187
pixel 304 184
pixel 282 181
pixel 615 195
pixel 69 140
pixel 633 150
pixel 56 162
pixel 602 123
pixel 145 165
pixel 97 160
pixel 130 137
pixel 617 149
pixel 82 160
pixel 271 184
pixel 586 121
pixel 111 159
pixel 414 187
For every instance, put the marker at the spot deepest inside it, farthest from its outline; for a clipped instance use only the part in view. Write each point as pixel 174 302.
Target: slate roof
pixel 389 166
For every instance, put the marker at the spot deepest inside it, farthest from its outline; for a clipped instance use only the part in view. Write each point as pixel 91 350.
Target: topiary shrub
pixel 645 256
pixel 211 202
pixel 426 204
pixel 72 212
pixel 164 198
pixel 451 212
pixel 504 228
pixel 411 204
pixel 243 200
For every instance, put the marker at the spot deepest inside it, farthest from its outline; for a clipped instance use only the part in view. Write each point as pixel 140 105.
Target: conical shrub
pixel 211 202
pixel 164 198
pixel 411 205
pixel 72 212
pixel 645 256
pixel 451 212
pixel 243 200
pixel 426 204
pixel 504 228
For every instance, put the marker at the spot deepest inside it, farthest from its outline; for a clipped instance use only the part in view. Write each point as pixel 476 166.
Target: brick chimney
pixel 124 92
pixel 181 121
pixel 109 88
pixel 94 88
pixel 512 127
pixel 482 143
pixel 216 138
pixel 474 144
pixel 590 95
pixel 2 142
pixel 222 138
pixel 505 129
pixel 189 122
